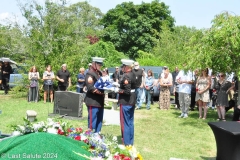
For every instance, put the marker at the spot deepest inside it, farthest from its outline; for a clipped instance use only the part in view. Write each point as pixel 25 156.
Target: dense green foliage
pixel 136 27
pixel 57 33
pixel 218 47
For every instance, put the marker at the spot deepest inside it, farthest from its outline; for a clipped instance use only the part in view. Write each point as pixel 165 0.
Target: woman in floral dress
pixel 165 84
pixel 202 92
pixel 222 87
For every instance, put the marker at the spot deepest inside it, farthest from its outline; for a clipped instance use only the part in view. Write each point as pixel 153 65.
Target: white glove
pixel 116 90
pixel 116 84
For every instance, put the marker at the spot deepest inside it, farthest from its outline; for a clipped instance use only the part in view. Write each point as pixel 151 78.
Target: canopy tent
pixel 4 59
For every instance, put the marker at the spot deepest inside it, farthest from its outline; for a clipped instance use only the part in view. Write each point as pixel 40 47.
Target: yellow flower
pixel 139 156
pixel 129 147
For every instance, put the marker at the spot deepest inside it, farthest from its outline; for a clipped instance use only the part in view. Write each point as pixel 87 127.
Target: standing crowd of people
pixel 194 89
pixel 190 88
pixel 63 77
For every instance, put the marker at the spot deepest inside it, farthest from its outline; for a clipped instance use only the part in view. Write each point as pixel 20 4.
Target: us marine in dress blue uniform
pixel 94 99
pixel 127 100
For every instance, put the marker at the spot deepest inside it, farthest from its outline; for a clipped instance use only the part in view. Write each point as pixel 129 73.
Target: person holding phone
pixel 48 77
pixel 33 76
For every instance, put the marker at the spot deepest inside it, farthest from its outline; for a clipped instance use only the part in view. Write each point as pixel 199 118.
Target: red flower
pixel 126 158
pixel 79 130
pixel 69 130
pixel 86 141
pixel 121 156
pixel 60 132
pixel 78 138
pixel 116 157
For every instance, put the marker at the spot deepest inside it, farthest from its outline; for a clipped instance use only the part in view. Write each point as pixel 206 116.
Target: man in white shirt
pixel 185 80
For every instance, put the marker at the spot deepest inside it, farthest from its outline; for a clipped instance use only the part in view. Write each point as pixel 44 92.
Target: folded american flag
pixel 104 84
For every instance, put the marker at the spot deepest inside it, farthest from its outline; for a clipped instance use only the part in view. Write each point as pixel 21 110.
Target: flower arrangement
pixel 102 147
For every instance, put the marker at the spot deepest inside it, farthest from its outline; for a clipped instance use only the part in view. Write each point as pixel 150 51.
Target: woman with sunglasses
pixel 202 92
pixel 222 87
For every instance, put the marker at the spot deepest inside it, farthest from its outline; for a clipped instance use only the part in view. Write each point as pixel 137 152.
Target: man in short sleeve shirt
pixel 139 84
pixel 185 81
pixel 64 78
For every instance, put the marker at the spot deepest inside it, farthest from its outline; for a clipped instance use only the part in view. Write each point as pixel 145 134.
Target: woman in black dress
pixel 222 87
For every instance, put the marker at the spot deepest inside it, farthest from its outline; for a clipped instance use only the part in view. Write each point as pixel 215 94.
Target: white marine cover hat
pixel 97 59
pixel 127 62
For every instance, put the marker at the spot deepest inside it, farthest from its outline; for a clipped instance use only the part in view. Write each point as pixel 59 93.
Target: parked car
pixel 17 77
pixel 156 71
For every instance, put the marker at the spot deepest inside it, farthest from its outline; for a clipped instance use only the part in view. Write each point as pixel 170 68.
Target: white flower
pixel 56 125
pixel 16 133
pixel 36 127
pixel 121 146
pixel 133 152
pixel 110 158
pixel 114 138
pixel 107 154
pixel 22 128
pixel 52 130
pixel 83 137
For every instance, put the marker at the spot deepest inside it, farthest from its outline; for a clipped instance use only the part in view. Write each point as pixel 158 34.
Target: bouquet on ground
pixel 101 146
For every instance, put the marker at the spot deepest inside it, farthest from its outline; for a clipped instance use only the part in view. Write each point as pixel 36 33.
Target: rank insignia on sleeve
pixel 126 82
pixel 90 80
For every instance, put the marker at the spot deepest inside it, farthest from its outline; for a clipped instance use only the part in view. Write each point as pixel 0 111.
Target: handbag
pixel 33 84
pixel 151 91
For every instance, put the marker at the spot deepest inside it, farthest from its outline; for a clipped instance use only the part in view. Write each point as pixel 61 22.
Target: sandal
pixel 224 120
pixel 219 119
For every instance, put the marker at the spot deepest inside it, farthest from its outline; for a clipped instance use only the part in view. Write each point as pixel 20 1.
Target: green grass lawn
pixel 159 135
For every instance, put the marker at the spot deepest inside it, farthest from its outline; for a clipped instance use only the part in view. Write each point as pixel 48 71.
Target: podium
pixel 68 103
pixel 227 136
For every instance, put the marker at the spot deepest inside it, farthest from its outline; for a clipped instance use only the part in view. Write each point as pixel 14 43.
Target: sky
pixel 191 13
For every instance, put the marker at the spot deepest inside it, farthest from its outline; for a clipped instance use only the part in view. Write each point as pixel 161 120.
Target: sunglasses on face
pixel 220 76
pixel 99 63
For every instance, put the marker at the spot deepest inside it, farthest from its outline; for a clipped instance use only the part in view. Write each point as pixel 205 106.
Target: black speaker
pixel 68 103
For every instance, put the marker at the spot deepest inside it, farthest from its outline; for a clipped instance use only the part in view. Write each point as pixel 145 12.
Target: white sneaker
pixel 185 115
pixel 181 115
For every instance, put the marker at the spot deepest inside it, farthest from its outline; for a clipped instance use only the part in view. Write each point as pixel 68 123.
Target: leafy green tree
pixel 136 27
pixel 218 47
pixel 105 50
pixel 149 59
pixel 172 49
pixel 12 43
pixel 57 33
